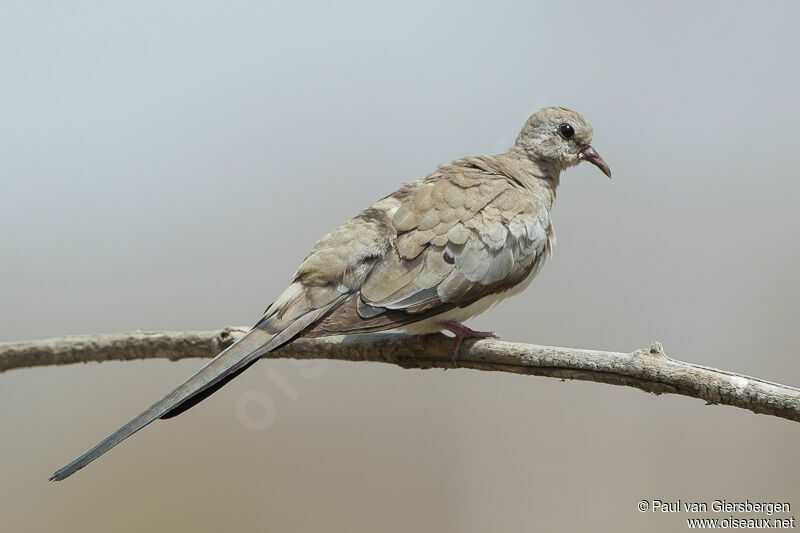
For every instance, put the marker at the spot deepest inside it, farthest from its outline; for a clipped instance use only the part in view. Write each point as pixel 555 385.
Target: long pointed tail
pixel 239 355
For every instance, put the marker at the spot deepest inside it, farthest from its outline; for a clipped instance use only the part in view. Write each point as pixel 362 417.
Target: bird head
pixel 559 137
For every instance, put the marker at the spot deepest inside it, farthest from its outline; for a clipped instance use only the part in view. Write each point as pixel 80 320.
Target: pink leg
pixel 463 332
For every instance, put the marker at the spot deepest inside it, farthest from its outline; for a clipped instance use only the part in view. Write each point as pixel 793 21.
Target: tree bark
pixel 649 369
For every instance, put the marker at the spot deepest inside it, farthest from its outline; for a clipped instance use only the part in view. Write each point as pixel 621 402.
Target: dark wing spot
pixel 373 215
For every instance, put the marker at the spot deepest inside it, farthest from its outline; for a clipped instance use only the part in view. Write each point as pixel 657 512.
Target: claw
pixel 462 332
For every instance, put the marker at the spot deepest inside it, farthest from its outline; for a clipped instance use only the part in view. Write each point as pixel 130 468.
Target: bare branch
pixel 649 370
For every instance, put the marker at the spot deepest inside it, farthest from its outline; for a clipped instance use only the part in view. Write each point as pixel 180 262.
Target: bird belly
pixel 462 314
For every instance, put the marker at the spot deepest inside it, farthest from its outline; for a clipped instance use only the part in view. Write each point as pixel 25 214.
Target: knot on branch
pixel 657 349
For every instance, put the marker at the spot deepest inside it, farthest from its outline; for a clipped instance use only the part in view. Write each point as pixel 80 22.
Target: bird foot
pixel 462 332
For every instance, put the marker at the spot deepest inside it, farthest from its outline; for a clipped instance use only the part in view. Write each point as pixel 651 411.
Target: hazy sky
pixel 165 166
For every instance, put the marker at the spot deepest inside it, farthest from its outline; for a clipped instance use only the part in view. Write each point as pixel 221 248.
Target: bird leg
pixel 463 332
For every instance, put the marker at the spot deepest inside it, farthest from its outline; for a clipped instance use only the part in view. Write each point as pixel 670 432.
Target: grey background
pixel 165 166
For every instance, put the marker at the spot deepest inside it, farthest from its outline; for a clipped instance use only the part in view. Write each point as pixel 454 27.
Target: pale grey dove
pixel 425 258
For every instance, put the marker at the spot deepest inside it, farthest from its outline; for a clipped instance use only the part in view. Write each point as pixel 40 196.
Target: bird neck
pixel 535 175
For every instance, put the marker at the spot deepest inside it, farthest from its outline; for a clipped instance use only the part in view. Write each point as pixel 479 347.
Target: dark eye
pixel 566 131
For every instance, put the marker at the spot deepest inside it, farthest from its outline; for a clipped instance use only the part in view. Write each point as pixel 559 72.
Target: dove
pixel 425 258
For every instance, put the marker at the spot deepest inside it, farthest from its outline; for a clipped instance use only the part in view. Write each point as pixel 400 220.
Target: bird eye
pixel 566 131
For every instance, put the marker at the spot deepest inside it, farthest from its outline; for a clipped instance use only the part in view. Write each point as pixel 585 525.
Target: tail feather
pixel 198 397
pixel 264 337
pixel 242 353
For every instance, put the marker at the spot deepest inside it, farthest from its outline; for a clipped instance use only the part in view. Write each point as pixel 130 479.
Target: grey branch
pixel 649 370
